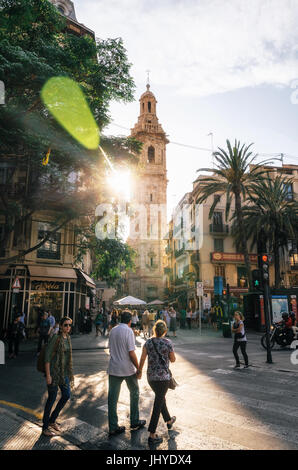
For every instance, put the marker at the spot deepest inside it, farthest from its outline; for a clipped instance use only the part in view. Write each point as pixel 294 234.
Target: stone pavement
pixel 21 431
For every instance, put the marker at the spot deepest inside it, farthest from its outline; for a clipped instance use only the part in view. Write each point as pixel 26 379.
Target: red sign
pixel 232 257
pixel 16 283
pixel 294 305
pixel 262 310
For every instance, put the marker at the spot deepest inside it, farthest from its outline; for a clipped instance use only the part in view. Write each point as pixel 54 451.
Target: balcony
pixel 219 229
pixel 179 252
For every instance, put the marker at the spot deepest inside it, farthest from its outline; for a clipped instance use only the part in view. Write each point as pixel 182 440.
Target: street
pixel 217 407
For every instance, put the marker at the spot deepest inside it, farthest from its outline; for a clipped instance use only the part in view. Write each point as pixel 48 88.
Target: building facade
pixel 202 249
pixel 149 204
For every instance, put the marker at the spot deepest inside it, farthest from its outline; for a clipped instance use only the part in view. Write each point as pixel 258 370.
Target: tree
pixel 270 218
pixel 35 46
pixel 234 173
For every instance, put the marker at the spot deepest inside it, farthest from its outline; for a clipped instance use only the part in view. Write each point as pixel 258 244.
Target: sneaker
pixel 237 366
pixel 246 366
pixel 170 425
pixel 118 430
pixel 154 440
pixel 139 425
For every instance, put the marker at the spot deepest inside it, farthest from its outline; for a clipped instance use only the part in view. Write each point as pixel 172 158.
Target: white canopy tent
pixel 129 300
pixel 156 302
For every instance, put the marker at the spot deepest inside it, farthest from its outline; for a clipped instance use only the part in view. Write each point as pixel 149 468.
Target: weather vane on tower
pixel 148 79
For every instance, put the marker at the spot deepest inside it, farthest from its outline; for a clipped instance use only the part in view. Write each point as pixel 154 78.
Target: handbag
pixel 172 382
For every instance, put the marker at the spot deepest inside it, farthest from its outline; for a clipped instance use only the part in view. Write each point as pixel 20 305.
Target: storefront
pixel 61 290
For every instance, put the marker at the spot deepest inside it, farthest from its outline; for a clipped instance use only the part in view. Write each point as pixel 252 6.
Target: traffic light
pixel 265 268
pixel 256 279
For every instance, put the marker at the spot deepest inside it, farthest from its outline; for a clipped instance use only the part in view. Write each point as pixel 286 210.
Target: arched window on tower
pixel 143 107
pixel 151 154
pixel 149 106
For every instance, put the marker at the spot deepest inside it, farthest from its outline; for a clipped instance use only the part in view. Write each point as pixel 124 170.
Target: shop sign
pixel 47 286
pixel 87 303
pixel 232 257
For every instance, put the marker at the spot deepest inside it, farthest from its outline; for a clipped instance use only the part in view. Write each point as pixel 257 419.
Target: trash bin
pixel 226 330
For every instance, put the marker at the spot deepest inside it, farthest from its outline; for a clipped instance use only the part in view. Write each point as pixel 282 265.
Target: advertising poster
pixel 279 305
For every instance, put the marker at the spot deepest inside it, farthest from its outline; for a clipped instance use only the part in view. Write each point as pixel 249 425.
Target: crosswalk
pixel 221 408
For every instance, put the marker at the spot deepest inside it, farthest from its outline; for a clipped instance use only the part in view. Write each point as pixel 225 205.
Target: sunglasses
pixel 67 324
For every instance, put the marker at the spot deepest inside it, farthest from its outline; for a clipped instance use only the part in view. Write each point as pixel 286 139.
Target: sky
pixel 229 68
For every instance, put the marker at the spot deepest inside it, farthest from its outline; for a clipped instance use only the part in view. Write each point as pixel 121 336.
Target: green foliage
pixel 34 47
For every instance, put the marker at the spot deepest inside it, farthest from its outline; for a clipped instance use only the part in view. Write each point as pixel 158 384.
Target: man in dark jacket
pixel 44 331
pixel 14 336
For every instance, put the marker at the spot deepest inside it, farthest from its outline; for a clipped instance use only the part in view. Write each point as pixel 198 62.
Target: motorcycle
pixel 278 335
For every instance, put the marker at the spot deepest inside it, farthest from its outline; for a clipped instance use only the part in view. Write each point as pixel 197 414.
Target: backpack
pixel 41 358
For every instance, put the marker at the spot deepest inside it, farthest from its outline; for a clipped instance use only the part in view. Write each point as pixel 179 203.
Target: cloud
pixel 202 47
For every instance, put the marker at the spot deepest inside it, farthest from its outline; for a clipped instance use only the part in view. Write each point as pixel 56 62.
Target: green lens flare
pixel 66 102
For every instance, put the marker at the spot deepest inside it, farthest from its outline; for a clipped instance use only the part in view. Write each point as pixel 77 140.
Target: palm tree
pixel 270 218
pixel 234 173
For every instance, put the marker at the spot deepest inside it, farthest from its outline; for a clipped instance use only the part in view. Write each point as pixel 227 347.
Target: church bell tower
pixel 148 226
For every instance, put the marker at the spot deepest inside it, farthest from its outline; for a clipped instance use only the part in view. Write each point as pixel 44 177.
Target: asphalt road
pixel 216 406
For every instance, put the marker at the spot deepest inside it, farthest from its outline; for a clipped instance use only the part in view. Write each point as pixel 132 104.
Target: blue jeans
pixel 49 418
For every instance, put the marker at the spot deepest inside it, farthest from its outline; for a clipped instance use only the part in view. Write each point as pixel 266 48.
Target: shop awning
pixel 89 281
pixel 52 273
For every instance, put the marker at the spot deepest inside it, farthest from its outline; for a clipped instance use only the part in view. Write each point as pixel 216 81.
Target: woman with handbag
pixel 240 339
pixel 159 351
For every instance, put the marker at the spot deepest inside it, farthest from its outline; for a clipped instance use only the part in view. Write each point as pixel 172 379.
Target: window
pixel 5 174
pixel 151 154
pixel 218 245
pixel 220 270
pixel 151 197
pixel 288 188
pixel 217 219
pixel 51 248
pixel 149 106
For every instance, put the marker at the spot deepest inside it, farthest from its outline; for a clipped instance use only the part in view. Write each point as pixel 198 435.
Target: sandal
pixel 55 426
pixel 170 425
pixel 48 433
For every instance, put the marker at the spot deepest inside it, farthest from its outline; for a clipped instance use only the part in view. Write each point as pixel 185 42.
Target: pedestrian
pixel 151 318
pixel 98 323
pixel 52 321
pixel 240 339
pixel 145 323
pixel 59 373
pixel 213 317
pixel 43 331
pixel 15 334
pixel 104 323
pixel 134 319
pixel 23 320
pixel 123 365
pixel 182 318
pixel 173 321
pixel 159 351
pixel 188 317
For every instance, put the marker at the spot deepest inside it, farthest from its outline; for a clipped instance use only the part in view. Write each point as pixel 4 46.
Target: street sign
pixel 200 289
pixel 15 291
pixel 16 283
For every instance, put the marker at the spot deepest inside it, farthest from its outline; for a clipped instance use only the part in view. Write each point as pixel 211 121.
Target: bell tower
pixel 149 225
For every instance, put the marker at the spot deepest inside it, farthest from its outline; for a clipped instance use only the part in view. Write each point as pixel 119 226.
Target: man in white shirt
pixel 123 365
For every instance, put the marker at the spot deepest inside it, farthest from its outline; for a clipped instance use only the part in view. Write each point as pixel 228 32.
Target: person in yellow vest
pixel 151 317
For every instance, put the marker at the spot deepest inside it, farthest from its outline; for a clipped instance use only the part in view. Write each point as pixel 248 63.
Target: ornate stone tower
pixel 149 200
pixel 66 7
